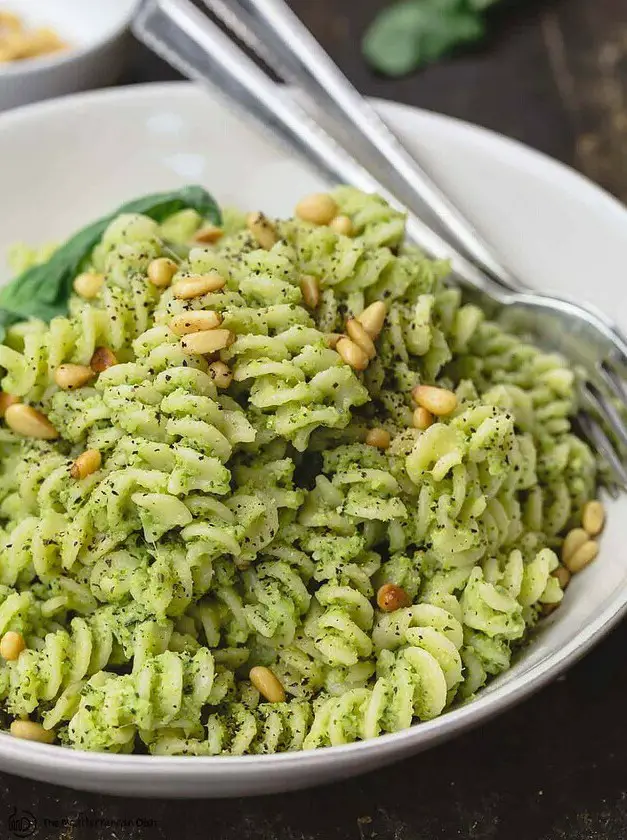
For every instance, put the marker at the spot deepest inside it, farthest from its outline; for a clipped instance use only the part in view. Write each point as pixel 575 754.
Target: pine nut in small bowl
pixel 49 49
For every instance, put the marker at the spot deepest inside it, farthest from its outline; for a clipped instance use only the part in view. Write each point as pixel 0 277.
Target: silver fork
pixel 190 41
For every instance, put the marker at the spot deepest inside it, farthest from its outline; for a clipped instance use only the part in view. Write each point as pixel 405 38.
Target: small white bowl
pixel 96 32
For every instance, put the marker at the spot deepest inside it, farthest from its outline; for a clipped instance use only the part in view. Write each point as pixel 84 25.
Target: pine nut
pixel 5 401
pixel 358 333
pixel 12 645
pixel 262 230
pixel 573 542
pixel 311 290
pixel 69 377
pixel 28 730
pixel 86 463
pixel 208 234
pixel 373 318
pixel 318 208
pixel 438 401
pixel 201 284
pixel 391 597
pixel 221 374
pixel 207 341
pixel 547 609
pixel 267 684
pixel 342 225
pixel 593 518
pixel 331 339
pixel 422 418
pixel 102 359
pixel 563 576
pixel 352 353
pixel 88 284
pixel 582 557
pixel 195 321
pixel 379 438
pixel 161 271
pixel 27 421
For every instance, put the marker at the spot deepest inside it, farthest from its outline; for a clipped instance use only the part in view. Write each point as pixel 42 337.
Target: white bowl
pixel 552 226
pixel 96 32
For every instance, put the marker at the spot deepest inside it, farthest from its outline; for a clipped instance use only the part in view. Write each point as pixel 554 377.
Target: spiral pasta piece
pixel 167 690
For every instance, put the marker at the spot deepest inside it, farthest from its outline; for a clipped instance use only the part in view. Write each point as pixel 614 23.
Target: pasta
pixel 313 457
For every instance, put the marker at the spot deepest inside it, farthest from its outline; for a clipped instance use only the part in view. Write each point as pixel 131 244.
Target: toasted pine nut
pixel 318 208
pixel 391 597
pixel 373 318
pixel 262 229
pixel 573 542
pixel 208 234
pixel 438 401
pixel 207 341
pixel 195 321
pixel 5 401
pixel 352 353
pixel 10 21
pixel 422 418
pixel 342 225
pixel 358 333
pixel 221 374
pixel 593 518
pixel 88 284
pixel 161 271
pixel 379 438
pixel 27 421
pixel 582 557
pixel 311 290
pixel 102 359
pixel 11 645
pixel 31 731
pixel 86 463
pixel 267 684
pixel 547 609
pixel 563 576
pixel 69 377
pixel 331 339
pixel 198 285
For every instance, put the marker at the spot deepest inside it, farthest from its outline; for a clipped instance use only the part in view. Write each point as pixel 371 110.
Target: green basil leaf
pixel 411 33
pixel 43 291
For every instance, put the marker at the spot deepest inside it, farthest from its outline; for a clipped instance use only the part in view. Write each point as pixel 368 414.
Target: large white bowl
pixel 96 32
pixel 554 227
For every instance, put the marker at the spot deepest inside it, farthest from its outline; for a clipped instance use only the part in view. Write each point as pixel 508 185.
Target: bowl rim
pixel 30 66
pixel 489 702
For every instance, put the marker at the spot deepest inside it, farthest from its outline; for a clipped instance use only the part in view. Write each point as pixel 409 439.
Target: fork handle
pixel 286 45
pixel 187 39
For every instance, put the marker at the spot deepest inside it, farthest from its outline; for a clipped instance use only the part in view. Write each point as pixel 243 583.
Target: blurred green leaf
pixel 411 33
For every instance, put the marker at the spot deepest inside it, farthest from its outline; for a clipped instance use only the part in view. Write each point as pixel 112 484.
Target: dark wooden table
pixel 554 75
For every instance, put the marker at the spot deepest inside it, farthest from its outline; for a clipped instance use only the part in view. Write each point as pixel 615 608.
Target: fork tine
pixel 601 442
pixel 613 489
pixel 613 381
pixel 606 409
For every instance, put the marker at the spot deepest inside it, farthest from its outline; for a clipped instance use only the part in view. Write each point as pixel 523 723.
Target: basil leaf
pixel 411 33
pixel 43 291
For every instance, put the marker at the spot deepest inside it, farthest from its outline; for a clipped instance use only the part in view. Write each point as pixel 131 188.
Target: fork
pixel 186 38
